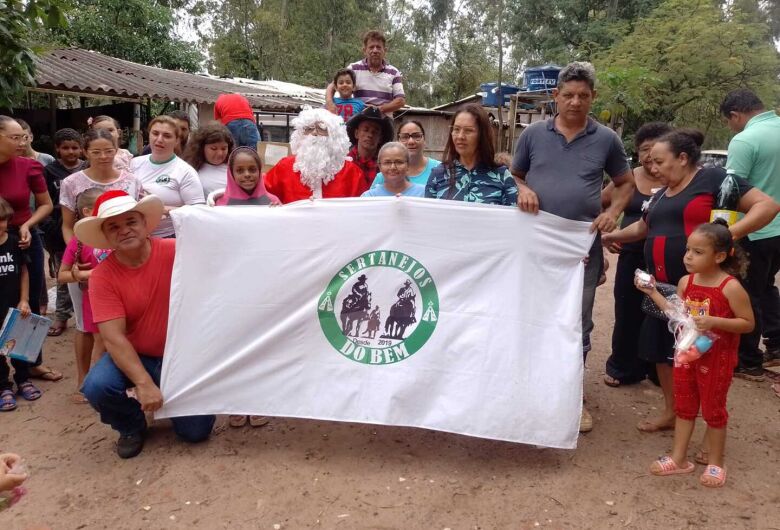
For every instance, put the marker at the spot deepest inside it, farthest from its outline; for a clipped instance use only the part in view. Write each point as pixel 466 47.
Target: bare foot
pixel 664 423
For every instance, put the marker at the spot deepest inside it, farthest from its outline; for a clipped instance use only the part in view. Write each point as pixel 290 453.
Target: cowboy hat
pixel 112 203
pixel 375 115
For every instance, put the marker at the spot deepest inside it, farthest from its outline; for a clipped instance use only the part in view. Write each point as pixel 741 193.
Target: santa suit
pixel 285 183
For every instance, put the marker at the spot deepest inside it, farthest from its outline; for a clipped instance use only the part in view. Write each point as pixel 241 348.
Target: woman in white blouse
pixel 165 175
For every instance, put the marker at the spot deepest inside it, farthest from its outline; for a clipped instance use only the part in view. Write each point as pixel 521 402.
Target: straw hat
pixel 112 203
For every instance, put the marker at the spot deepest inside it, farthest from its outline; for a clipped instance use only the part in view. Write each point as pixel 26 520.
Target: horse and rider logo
pixel 379 285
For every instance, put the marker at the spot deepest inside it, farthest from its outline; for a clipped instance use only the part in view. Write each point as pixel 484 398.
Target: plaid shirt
pixel 368 166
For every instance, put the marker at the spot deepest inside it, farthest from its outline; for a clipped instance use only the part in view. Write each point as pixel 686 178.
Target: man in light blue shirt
pixel 754 153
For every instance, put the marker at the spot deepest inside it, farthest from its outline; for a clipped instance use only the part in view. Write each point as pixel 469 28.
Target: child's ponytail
pixel 736 262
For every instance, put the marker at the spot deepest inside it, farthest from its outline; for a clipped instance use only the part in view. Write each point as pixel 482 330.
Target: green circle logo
pixel 380 308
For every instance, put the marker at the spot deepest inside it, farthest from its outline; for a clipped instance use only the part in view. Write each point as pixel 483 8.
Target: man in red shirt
pixel 235 113
pixel 129 293
pixel 368 132
pixel 319 167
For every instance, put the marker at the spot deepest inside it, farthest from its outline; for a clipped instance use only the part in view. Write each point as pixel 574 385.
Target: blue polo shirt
pixel 568 176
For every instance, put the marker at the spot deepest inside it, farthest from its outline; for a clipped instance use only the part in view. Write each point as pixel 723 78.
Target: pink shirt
pixel 19 177
pixel 91 256
pixel 74 185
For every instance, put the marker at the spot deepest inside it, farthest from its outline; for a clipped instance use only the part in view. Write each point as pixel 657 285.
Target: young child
pixel 67 147
pixel 77 264
pixel 244 181
pixel 14 292
pixel 123 156
pixel 207 152
pixel 347 106
pixel 718 303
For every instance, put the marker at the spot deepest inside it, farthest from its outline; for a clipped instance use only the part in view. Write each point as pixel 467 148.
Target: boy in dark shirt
pixel 14 292
pixel 67 146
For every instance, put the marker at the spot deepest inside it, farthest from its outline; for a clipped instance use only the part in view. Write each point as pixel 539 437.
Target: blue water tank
pixel 495 98
pixel 543 77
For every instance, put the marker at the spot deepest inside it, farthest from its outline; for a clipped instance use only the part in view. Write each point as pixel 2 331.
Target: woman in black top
pixel 624 366
pixel 684 203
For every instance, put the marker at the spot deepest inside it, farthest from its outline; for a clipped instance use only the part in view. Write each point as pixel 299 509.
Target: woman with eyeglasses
pixel 394 161
pixel 21 177
pixel 469 172
pixel 412 135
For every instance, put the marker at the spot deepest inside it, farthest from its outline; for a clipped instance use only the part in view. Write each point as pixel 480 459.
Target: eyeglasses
pixel 465 131
pixel 18 138
pixel 414 136
pixel 319 130
pixel 392 163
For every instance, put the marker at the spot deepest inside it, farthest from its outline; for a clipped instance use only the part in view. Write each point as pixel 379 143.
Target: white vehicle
pixel 713 158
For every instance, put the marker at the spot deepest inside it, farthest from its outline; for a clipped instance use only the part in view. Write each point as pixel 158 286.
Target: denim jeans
pixel 106 389
pixel 593 270
pixel 244 133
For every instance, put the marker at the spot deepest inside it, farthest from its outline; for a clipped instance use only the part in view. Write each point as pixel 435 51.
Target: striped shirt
pixel 377 88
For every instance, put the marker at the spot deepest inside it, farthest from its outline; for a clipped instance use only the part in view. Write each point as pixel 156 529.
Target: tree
pixel 303 42
pixel 680 61
pixel 19 21
pixel 142 31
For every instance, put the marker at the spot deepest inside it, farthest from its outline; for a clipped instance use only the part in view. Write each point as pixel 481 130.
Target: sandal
pixel 665 466
pixel 28 391
pixel 701 457
pixel 44 373
pixel 78 399
pixel 237 421
pixel 56 330
pixel 7 401
pixel 648 426
pixel 713 477
pixel 611 381
pixel 258 421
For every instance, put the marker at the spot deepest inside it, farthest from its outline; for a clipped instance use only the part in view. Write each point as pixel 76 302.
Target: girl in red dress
pixel 718 303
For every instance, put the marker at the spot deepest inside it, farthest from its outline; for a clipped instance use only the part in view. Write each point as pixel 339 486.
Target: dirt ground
pixel 315 474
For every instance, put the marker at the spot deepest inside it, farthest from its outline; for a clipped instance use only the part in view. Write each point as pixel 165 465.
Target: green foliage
pixel 304 41
pixel 19 21
pixel 141 31
pixel 680 62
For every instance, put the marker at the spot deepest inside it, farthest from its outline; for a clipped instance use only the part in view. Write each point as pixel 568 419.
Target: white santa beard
pixel 317 160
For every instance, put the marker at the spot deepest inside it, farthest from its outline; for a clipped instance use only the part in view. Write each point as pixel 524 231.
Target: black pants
pixel 764 257
pixel 624 364
pixel 21 372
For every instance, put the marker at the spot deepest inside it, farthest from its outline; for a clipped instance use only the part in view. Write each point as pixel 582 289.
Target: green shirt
pixel 755 155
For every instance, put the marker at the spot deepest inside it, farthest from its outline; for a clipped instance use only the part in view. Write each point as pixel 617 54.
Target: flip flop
pixel 701 457
pixel 611 381
pixel 237 421
pixel 56 331
pixel 78 399
pixel 713 477
pixel 647 426
pixel 258 421
pixel 45 374
pixel 665 466
pixel 7 401
pixel 28 391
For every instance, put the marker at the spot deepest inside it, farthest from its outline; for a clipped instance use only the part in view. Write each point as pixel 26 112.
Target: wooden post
pixel 52 114
pixel 136 130
pixel 512 122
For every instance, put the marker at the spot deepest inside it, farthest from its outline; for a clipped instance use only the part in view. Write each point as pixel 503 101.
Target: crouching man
pixel 129 293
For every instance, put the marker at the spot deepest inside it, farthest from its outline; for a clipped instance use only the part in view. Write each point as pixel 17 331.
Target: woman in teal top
pixel 393 159
pixel 412 135
pixel 469 172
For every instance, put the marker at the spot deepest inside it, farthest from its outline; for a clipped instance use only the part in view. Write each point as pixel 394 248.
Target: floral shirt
pixel 482 184
pixel 368 166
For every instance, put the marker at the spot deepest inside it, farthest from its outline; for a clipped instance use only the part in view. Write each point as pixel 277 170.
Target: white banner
pixel 415 312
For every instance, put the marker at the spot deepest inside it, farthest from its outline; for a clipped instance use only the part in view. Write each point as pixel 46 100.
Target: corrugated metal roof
pixel 88 72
